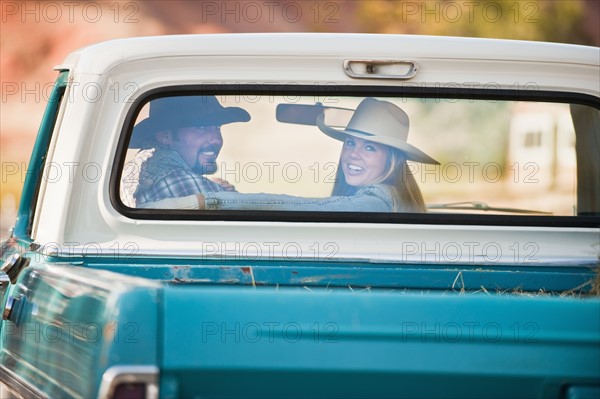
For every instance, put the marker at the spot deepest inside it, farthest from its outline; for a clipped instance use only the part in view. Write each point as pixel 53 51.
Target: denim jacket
pixel 375 198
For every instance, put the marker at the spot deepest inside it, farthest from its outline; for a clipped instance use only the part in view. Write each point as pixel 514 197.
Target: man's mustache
pixel 210 167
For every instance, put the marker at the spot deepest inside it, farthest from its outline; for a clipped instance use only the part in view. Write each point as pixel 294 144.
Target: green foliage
pixel 540 20
pixel 463 130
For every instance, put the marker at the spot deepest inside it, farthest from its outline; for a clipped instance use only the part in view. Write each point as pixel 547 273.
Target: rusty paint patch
pixel 191 280
pixel 229 280
pixel 318 279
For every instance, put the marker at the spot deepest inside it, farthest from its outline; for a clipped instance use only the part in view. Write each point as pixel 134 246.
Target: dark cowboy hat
pixel 381 122
pixel 168 113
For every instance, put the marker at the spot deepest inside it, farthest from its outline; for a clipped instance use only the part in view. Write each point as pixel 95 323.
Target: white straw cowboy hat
pixel 381 122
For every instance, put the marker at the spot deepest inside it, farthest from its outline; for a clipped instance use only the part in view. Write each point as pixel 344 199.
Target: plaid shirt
pixel 178 183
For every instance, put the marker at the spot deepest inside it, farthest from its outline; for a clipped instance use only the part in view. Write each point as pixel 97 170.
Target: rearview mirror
pixel 306 114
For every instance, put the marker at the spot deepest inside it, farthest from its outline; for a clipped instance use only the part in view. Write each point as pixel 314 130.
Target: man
pixel 185 133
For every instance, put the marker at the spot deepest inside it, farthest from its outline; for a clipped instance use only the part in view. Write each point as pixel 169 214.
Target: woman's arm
pixel 367 199
pixel 195 201
pixel 270 202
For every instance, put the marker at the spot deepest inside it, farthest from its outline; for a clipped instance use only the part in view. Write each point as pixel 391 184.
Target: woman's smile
pixel 363 162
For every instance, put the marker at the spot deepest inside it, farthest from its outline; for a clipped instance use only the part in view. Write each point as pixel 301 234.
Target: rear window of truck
pixel 360 155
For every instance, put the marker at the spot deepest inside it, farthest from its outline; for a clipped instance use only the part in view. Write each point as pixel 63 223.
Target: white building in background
pixel 541 149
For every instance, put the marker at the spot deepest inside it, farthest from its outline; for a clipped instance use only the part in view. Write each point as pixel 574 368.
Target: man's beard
pixel 206 168
pixel 208 165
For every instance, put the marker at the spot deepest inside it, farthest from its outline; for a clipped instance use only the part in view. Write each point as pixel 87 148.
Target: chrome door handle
pixel 379 69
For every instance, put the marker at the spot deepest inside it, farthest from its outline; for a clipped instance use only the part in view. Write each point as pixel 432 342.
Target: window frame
pixel 319 91
pixel 32 186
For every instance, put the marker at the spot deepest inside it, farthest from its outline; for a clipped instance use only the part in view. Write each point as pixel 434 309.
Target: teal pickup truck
pixel 310 215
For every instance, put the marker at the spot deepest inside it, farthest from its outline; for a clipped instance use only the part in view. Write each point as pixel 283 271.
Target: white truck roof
pixel 100 58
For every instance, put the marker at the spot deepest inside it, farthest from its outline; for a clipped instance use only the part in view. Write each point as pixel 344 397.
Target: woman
pixel 372 173
pixel 378 129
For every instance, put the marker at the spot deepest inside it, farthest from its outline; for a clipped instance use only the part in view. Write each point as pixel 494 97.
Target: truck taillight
pixel 129 382
pixel 130 391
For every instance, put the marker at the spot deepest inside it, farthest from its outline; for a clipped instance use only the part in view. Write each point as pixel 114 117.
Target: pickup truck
pixel 490 291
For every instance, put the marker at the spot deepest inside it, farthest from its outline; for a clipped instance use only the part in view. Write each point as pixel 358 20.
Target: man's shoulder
pixel 176 183
pixel 186 177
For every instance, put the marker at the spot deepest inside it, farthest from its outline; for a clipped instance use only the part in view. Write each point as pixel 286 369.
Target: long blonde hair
pixel 398 178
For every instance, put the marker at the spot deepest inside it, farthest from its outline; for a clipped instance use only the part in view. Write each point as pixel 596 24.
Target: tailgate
pixel 300 342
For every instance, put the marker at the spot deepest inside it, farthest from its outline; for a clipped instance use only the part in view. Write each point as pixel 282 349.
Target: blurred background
pixel 37 35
